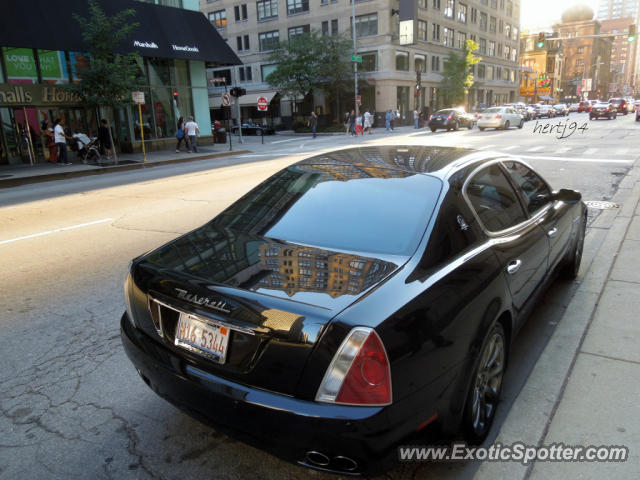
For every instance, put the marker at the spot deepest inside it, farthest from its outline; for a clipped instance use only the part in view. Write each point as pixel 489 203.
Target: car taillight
pixel 359 373
pixel 479 116
pixel 498 116
pixel 450 117
pixel 607 109
pixel 591 109
pixel 430 117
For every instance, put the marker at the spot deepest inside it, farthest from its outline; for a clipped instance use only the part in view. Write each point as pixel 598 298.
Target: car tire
pixel 590 117
pixel 433 129
pixel 481 129
pixel 506 125
pixel 456 126
pixel 572 265
pixel 486 385
pixel 521 124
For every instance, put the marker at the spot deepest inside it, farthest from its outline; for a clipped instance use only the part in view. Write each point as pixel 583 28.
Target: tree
pixel 457 75
pixel 310 61
pixel 110 77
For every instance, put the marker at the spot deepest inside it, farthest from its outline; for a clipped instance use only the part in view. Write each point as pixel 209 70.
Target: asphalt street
pixel 72 405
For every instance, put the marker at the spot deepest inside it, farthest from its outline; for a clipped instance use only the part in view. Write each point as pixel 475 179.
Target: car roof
pixel 398 160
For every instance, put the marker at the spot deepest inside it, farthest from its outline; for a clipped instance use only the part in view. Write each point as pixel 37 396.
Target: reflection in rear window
pixel 339 207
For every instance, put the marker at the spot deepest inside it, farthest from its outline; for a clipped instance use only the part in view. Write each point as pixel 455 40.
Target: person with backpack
pixel 180 135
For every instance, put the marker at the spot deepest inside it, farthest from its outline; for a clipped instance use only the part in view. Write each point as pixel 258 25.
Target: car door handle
pixel 514 266
pixel 553 232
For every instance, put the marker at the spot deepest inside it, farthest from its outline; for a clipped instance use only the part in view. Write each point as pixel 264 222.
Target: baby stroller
pixel 88 148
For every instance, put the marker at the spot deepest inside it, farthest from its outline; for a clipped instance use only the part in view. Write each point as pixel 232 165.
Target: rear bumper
pixel 284 426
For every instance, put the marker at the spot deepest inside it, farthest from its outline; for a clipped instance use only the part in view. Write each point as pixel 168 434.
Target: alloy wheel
pixel 488 384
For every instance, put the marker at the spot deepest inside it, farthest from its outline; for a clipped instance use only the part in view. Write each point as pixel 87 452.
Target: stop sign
pixel 262 104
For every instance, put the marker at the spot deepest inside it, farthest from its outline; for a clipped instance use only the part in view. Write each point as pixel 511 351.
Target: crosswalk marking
pixel 563 149
pixel 621 151
pixel 535 149
pixel 590 151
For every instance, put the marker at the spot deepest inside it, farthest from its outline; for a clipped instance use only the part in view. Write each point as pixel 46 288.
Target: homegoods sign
pixel 17 95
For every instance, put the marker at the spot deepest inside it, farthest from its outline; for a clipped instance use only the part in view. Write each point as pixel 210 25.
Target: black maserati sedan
pixel 352 300
pixel 451 119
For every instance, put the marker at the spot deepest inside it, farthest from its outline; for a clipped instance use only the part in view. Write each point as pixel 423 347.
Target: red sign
pixel 358 100
pixel 226 99
pixel 263 104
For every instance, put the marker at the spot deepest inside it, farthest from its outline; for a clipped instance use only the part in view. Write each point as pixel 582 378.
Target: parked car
pixel 521 108
pixel 603 110
pixel 620 104
pixel 450 119
pixel 531 111
pixel 573 107
pixel 561 109
pixel 584 106
pixel 546 111
pixel 500 117
pixel 267 346
pixel 250 128
pixel 637 111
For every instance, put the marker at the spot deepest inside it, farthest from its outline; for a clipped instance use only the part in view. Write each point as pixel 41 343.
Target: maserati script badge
pixel 204 301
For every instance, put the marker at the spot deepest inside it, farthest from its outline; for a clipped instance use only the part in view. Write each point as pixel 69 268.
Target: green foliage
pixel 110 77
pixel 310 61
pixel 457 75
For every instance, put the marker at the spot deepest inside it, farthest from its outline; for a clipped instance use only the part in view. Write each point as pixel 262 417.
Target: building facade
pixel 541 69
pixel 623 57
pixel 587 58
pixel 37 64
pixel 612 9
pixel 389 60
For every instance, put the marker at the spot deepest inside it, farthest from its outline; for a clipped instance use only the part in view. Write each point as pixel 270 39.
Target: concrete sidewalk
pixel 585 387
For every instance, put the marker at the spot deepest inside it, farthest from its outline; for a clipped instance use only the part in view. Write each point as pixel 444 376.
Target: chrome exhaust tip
pixel 317 458
pixel 344 463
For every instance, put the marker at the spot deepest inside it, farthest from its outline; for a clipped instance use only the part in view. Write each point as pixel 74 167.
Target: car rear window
pixel 340 207
pixel 444 112
pixel 493 110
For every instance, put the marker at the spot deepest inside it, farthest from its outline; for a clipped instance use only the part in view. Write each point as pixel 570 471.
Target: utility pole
pixel 355 51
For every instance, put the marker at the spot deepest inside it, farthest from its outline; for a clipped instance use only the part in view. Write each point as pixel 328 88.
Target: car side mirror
pixel 567 196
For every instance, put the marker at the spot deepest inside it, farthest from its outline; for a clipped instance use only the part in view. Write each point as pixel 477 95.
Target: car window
pixel 494 199
pixel 493 110
pixel 534 189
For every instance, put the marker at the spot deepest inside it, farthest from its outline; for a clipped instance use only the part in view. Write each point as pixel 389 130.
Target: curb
pixel 533 411
pixel 18 181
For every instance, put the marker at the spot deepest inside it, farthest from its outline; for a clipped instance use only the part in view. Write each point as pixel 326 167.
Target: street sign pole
pixel 355 52
pixel 144 153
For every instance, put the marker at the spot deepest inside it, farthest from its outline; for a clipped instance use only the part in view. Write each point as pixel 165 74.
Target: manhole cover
pixel 601 204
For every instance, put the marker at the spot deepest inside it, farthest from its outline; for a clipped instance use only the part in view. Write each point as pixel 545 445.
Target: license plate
pixel 202 337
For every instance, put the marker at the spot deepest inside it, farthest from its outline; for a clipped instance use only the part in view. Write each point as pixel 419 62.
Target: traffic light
pixel 237 92
pixel 175 96
pixel 540 43
pixel 631 36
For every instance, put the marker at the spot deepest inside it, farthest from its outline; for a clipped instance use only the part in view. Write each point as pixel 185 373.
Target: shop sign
pixel 18 95
pixel 20 63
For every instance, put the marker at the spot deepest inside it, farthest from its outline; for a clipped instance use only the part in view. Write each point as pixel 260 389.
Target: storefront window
pixel 79 61
pixel 180 72
pixel 20 64
pixel 53 67
pixel 161 120
pixel 159 71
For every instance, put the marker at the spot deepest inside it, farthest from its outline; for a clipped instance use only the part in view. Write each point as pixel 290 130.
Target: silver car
pixel 500 117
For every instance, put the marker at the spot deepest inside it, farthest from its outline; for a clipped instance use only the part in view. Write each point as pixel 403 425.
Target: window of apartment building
pixel 420 62
pixel 422 30
pixel 218 18
pixel 243 43
pixel 501 4
pixel 366 25
pixel 267 9
pixel 507 52
pixel 299 30
pixel 435 32
pixel 512 76
pixel 492 25
pixel 240 12
pixel 484 2
pixel 461 38
pixel 514 31
pixel 266 70
pixel 462 13
pixel 369 62
pixel 494 4
pixel 334 26
pixel 297 6
pixel 580 49
pixel 509 8
pixel 450 8
pixel 483 46
pixel 492 48
pixel 499 53
pixel 474 15
pixel 402 61
pixel 580 65
pixel 325 28
pixel 474 37
pixel 435 63
pixel 422 3
pixel 481 71
pixel 245 74
pixel 507 30
pixel 489 72
pixel 505 74
pixel 436 4
pixel 448 37
pixel 269 40
pixel 483 21
pixel 514 54
pixel 500 25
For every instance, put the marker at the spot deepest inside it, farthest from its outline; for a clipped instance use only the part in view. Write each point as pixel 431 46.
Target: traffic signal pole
pixel 355 52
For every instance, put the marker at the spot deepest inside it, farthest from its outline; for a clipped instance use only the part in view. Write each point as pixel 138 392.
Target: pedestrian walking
pixel 181 136
pixel 352 122
pixel 416 118
pixel 367 121
pixel 313 121
pixel 387 120
pixel 359 129
pixel 192 131
pixel 50 141
pixel 392 117
pixel 427 114
pixel 104 139
pixel 346 122
pixel 60 137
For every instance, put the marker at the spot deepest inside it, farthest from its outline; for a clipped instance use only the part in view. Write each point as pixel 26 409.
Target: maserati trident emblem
pixel 219 305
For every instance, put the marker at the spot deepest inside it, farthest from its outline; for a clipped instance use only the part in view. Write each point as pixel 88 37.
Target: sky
pixel 536 14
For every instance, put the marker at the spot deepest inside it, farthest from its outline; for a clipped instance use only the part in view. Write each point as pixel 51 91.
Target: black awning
pixel 164 32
